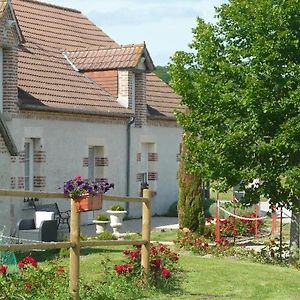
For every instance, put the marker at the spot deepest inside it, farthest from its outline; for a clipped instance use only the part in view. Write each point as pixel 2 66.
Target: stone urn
pixel 100 226
pixel 116 220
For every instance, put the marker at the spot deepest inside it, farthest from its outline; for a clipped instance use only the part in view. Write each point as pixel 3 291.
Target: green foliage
pixel 117 207
pixel 163 73
pixel 164 272
pixel 102 217
pixel 37 283
pixel 105 235
pixel 190 209
pixel 241 87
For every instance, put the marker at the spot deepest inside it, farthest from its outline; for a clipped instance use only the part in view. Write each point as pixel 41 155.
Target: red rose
pixel 21 265
pixel 28 286
pixel 156 263
pixel 3 269
pixel 174 256
pixel 61 270
pixel 30 260
pixel 165 273
pixel 162 248
pixel 127 268
pixel 119 269
pixel 134 254
pixel 126 252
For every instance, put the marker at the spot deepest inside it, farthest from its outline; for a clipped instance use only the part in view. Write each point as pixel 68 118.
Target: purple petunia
pixel 78 186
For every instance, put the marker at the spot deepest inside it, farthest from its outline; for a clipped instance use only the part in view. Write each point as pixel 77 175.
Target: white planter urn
pixel 100 226
pixel 116 220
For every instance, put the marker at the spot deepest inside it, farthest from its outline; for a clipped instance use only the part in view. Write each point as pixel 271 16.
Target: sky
pixel 165 25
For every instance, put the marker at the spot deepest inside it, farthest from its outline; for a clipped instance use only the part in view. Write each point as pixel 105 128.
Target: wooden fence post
pixel 146 229
pixel 74 252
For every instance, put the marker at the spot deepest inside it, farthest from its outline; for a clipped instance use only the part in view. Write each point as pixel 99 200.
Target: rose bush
pixel 163 266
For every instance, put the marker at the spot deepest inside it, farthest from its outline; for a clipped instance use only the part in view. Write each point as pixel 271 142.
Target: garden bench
pixel 62 217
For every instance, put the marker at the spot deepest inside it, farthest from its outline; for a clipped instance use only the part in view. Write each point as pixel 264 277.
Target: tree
pixel 190 208
pixel 163 73
pixel 241 87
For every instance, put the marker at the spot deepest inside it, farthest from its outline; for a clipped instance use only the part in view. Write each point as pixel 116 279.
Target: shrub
pixel 34 282
pixel 190 207
pixel 102 217
pixel 163 270
pixel 105 235
pixel 117 207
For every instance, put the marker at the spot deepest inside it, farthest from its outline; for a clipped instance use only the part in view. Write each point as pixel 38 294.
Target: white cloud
pixel 165 25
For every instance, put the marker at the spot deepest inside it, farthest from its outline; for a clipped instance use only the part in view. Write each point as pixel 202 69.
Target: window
pixel 97 162
pixel 28 168
pixel 91 170
pixel 148 165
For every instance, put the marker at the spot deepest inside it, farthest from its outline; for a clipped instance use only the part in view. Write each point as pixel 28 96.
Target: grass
pixel 221 278
pixel 167 235
pixel 204 277
pixel 215 278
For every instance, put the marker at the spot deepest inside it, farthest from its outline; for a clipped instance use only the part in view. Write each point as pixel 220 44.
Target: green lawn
pixel 215 278
pixel 221 278
pixel 168 235
pixel 207 277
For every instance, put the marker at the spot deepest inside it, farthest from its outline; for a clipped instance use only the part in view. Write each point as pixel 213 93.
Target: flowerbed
pixel 122 281
pixel 33 282
pixel 163 266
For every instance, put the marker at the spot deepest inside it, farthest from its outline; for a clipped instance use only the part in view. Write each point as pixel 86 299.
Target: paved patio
pixel 135 225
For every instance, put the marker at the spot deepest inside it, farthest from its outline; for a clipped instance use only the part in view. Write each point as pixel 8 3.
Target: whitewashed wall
pixel 66 144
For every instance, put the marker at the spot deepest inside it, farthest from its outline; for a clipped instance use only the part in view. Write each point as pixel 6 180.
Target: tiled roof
pixel 3 4
pixel 161 99
pixel 122 57
pixel 44 75
pixel 47 79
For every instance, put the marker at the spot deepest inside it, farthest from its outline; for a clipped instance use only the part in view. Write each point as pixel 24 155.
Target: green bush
pixel 102 217
pixel 105 235
pixel 117 207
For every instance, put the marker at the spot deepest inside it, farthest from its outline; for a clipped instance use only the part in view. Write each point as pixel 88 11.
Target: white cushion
pixel 41 216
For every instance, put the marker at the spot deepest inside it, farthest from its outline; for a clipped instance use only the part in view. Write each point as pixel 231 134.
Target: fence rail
pixel 75 244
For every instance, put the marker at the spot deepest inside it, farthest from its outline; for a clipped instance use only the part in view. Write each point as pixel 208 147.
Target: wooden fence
pixel 75 244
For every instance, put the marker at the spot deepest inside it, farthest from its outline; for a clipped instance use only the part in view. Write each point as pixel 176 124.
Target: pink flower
pixel 78 178
pixel 3 269
pixel 165 273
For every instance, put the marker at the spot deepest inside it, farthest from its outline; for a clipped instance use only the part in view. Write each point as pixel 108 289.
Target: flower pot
pixel 100 226
pixel 88 202
pixel 116 220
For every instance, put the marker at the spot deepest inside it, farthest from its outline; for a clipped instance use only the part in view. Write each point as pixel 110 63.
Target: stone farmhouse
pixel 74 102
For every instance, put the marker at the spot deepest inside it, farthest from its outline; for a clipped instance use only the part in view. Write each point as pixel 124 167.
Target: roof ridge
pixel 97 48
pixel 52 5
